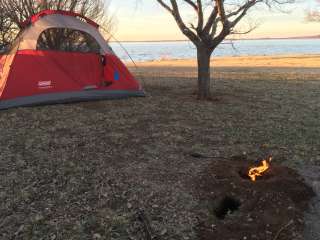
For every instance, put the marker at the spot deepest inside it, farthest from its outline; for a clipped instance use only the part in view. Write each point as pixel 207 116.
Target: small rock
pixel 97 236
pixel 38 218
pixel 53 237
pixel 163 232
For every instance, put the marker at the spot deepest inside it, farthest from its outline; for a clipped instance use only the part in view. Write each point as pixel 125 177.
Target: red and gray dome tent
pixel 61 57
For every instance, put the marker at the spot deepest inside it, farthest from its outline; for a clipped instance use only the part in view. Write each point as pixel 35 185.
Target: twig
pixel 199 155
pixel 283 228
pixel 146 224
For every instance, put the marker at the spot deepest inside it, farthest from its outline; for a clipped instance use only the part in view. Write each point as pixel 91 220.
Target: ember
pixel 255 172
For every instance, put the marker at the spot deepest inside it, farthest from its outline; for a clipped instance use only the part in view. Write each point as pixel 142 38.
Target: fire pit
pixel 254 173
pixel 249 201
pixel 259 171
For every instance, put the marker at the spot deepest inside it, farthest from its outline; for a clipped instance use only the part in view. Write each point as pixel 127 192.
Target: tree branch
pixel 192 4
pixel 175 12
pixel 228 15
pixel 165 6
pixel 200 16
pixel 211 20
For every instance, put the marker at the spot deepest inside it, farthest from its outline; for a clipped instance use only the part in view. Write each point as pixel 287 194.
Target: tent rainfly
pixel 61 57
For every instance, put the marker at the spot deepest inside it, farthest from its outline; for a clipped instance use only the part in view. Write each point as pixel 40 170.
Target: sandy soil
pixel 123 169
pixel 295 67
pixel 283 61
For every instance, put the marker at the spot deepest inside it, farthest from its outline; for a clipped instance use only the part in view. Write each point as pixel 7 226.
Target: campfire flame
pixel 255 172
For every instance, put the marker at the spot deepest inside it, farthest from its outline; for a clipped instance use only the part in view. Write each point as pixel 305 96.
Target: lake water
pixel 146 51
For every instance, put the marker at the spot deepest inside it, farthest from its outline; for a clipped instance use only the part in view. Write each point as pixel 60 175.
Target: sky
pixel 146 20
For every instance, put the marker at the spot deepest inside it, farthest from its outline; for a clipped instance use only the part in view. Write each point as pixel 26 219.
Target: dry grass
pixel 83 171
pixel 274 107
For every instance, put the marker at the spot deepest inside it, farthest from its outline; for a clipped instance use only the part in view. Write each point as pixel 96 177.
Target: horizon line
pixel 228 39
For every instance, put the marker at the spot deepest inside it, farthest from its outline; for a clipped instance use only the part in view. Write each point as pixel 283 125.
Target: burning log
pixel 255 172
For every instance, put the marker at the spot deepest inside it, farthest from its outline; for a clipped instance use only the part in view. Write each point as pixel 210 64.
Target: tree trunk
pixel 203 55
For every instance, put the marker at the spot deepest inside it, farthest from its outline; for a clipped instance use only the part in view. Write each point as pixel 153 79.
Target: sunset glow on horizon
pixel 145 20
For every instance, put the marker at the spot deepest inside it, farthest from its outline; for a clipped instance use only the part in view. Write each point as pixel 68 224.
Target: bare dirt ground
pixel 123 169
pixel 270 208
pixel 278 61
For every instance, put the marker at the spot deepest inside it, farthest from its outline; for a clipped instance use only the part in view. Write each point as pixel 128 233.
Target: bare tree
pixel 314 14
pixel 6 27
pixel 15 12
pixel 215 20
